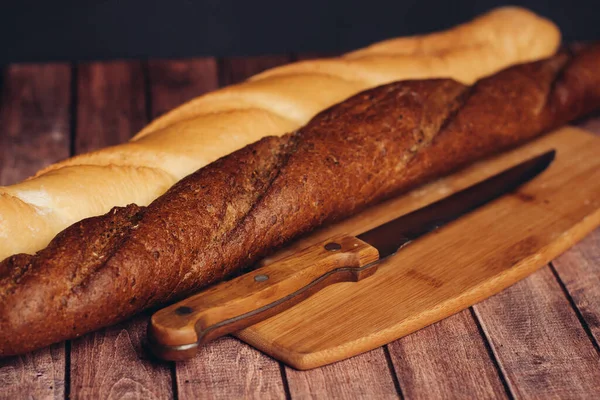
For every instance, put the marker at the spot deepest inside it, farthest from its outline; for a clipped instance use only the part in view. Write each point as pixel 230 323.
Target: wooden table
pixel 537 339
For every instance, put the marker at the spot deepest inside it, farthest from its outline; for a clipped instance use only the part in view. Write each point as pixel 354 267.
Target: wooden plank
pixel 173 82
pixel 366 376
pixel 36 375
pixel 227 368
pixel 536 335
pixel 34 131
pixel 446 360
pixel 34 119
pixel 237 69
pixel 114 363
pixel 111 104
pixel 579 271
pixel 539 342
pixel 111 362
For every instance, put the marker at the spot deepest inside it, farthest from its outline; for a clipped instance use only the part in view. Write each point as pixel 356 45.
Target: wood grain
pixel 539 342
pixel 112 363
pixel 536 335
pixel 36 375
pixel 34 114
pixel 237 69
pixel 423 283
pixel 448 359
pixel 110 103
pixel 34 119
pixel 34 131
pixel 173 82
pixel 229 369
pixel 579 270
pixel 229 306
pixel 340 379
pixel 366 376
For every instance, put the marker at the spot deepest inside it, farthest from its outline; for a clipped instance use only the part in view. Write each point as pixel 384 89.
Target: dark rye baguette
pixel 234 211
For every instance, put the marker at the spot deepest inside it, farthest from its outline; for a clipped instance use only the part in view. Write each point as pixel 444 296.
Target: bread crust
pixel 234 211
pixel 272 103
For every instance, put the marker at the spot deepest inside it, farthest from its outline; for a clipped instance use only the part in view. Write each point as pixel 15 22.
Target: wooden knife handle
pixel 175 332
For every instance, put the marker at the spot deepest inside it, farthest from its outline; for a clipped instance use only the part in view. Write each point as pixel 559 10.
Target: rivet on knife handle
pixel 175 332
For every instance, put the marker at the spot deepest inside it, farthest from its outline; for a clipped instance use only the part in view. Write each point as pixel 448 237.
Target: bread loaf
pixel 272 103
pixel 235 210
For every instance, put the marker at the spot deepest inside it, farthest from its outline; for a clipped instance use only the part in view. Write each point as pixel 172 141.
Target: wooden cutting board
pixel 450 269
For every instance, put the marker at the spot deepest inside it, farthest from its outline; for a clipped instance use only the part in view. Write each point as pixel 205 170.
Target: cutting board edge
pixel 308 359
pixel 478 293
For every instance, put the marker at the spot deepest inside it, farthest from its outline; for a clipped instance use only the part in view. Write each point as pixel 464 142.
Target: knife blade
pixel 175 332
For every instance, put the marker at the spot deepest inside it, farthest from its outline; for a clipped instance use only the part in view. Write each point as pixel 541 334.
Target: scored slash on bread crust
pixel 275 102
pixel 235 210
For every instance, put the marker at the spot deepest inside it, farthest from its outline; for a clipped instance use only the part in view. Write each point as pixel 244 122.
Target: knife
pixel 176 332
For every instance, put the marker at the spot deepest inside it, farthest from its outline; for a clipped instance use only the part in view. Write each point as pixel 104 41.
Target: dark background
pixel 84 30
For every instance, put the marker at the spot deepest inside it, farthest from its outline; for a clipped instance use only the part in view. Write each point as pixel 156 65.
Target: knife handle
pixel 175 332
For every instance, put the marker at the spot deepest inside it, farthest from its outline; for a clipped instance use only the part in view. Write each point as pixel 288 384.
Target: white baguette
pixel 271 103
